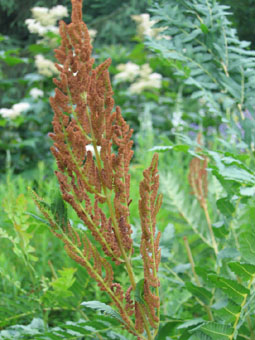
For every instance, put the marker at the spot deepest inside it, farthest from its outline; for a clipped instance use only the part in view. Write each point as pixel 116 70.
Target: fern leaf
pixel 233 289
pixel 216 331
pixel 102 307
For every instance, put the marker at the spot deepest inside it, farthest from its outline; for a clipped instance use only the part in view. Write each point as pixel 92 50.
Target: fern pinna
pixel 83 116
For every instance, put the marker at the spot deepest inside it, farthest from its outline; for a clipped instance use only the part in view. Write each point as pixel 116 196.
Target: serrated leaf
pixel 228 253
pixel 59 210
pixel 200 292
pixel 244 270
pixel 247 249
pixel 199 336
pixel 225 206
pixel 167 329
pixel 190 323
pixel 220 229
pixel 204 28
pixel 229 312
pixel 102 307
pixel 38 218
pixel 216 331
pixel 231 288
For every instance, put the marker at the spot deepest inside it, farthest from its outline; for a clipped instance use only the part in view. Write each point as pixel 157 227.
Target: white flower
pixel 35 27
pixel 92 34
pixel 149 82
pixel 144 27
pixel 15 110
pixel 20 107
pixel 43 16
pixel 128 71
pixel 58 12
pixel 90 148
pixel 7 113
pixel 145 71
pixel 45 19
pixel 45 66
pixel 39 12
pixel 36 93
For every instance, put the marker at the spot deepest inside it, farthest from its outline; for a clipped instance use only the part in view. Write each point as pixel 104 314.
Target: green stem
pixel 209 223
pixel 192 263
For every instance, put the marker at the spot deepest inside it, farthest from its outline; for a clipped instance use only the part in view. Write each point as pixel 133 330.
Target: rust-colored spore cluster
pixel 84 118
pixel 198 179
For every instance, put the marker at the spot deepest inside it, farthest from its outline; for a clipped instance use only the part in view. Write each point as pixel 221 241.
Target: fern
pixel 205 50
pixel 189 210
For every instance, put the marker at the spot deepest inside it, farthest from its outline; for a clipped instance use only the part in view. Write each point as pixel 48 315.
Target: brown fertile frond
pixel 93 149
pixel 198 176
pixel 83 116
pixel 149 206
pixel 198 179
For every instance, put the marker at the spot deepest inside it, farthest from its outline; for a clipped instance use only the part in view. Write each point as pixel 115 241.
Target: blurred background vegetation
pixel 172 90
pixel 116 38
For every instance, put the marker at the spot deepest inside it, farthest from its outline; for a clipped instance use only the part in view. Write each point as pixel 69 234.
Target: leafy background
pixel 207 296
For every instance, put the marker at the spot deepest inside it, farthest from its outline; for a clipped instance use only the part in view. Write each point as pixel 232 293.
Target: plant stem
pixel 209 223
pixel 192 263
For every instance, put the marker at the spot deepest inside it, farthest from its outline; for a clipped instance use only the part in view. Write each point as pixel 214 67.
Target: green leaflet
pixel 216 331
pixel 247 250
pixel 199 336
pixel 231 288
pixel 229 312
pixel 59 210
pixel 38 218
pixel 245 270
pixel 202 39
pixel 201 293
pixel 102 307
pixel 139 289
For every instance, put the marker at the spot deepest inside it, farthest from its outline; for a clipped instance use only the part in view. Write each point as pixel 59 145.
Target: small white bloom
pixel 45 19
pixel 14 111
pixel 58 12
pixel 151 81
pixel 7 113
pixel 92 34
pixel 128 71
pixel 45 66
pixel 20 107
pixel 36 93
pixel 42 15
pixel 90 148
pixel 35 27
pixel 38 12
pixel 145 71
pixel 144 26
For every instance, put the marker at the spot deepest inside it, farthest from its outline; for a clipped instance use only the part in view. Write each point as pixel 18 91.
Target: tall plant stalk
pixel 85 119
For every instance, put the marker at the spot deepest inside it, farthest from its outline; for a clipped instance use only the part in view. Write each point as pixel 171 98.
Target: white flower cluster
pixel 128 71
pixel 92 34
pixel 143 75
pixel 36 93
pixel 45 19
pixel 14 111
pixel 45 66
pixel 144 27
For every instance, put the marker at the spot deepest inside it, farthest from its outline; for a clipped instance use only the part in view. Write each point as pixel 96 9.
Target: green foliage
pixel 205 51
pixel 208 83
